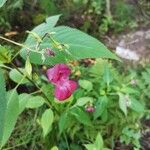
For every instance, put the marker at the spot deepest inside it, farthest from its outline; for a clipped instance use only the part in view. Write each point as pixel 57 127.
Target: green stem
pixel 21 45
pixel 20 82
pixel 15 55
pixel 66 141
pixel 4 66
pixel 38 91
pixel 18 44
pixel 45 97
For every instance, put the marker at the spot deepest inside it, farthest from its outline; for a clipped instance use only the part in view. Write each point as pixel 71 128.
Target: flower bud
pixel 133 82
pixel 50 52
pixel 90 109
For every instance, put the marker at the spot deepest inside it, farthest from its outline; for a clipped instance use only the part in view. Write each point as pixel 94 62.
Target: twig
pixel 18 44
pixel 108 9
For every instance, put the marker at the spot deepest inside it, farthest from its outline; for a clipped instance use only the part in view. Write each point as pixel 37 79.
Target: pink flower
pixel 58 72
pixel 59 76
pixel 64 89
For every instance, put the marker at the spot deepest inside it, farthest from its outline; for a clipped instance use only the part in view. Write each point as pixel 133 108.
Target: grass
pixel 27 133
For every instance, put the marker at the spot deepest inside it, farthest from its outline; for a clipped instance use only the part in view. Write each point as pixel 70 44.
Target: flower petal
pixel 65 89
pixel 58 72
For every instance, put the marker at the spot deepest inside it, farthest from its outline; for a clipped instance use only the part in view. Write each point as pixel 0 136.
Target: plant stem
pixel 15 55
pixel 38 91
pixel 45 97
pixel 66 141
pixel 21 45
pixel 4 66
pixel 108 9
pixel 18 44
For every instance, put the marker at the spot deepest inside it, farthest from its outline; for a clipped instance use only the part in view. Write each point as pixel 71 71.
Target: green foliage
pixel 83 101
pixel 63 122
pixel 123 103
pixel 3 105
pixel 85 84
pixel 97 145
pixel 117 106
pixel 5 55
pixel 81 116
pixel 136 105
pixel 11 115
pixel 17 77
pixel 2 2
pixel 113 99
pixel 23 100
pixel 28 67
pixel 124 16
pixel 66 42
pixel 101 107
pixel 49 7
pixel 35 102
pixel 46 121
pixel 29 101
pixel 130 135
pixel 9 11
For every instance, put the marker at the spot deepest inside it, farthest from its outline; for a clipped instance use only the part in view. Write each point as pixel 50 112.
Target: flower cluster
pixel 59 76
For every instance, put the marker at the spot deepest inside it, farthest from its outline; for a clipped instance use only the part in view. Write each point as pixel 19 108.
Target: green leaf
pixel 31 42
pixel 83 100
pixel 85 84
pixel 107 76
pixel 43 28
pixel 2 2
pixel 28 67
pixel 35 36
pixel 23 100
pixel 81 116
pixel 80 46
pixel 99 142
pixel 5 55
pixel 29 101
pixel 46 121
pixel 90 147
pixel 129 90
pixel 63 122
pixel 3 104
pixel 54 148
pixel 104 116
pixel 98 68
pixel 123 103
pixel 35 102
pixel 101 106
pixel 11 115
pixel 97 145
pixel 17 77
pixel 136 105
pixel 49 6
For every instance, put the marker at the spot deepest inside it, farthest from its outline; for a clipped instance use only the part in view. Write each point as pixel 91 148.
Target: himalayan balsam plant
pixel 45 45
pixel 69 105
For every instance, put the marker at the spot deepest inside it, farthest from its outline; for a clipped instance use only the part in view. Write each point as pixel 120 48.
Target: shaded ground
pixel 130 45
